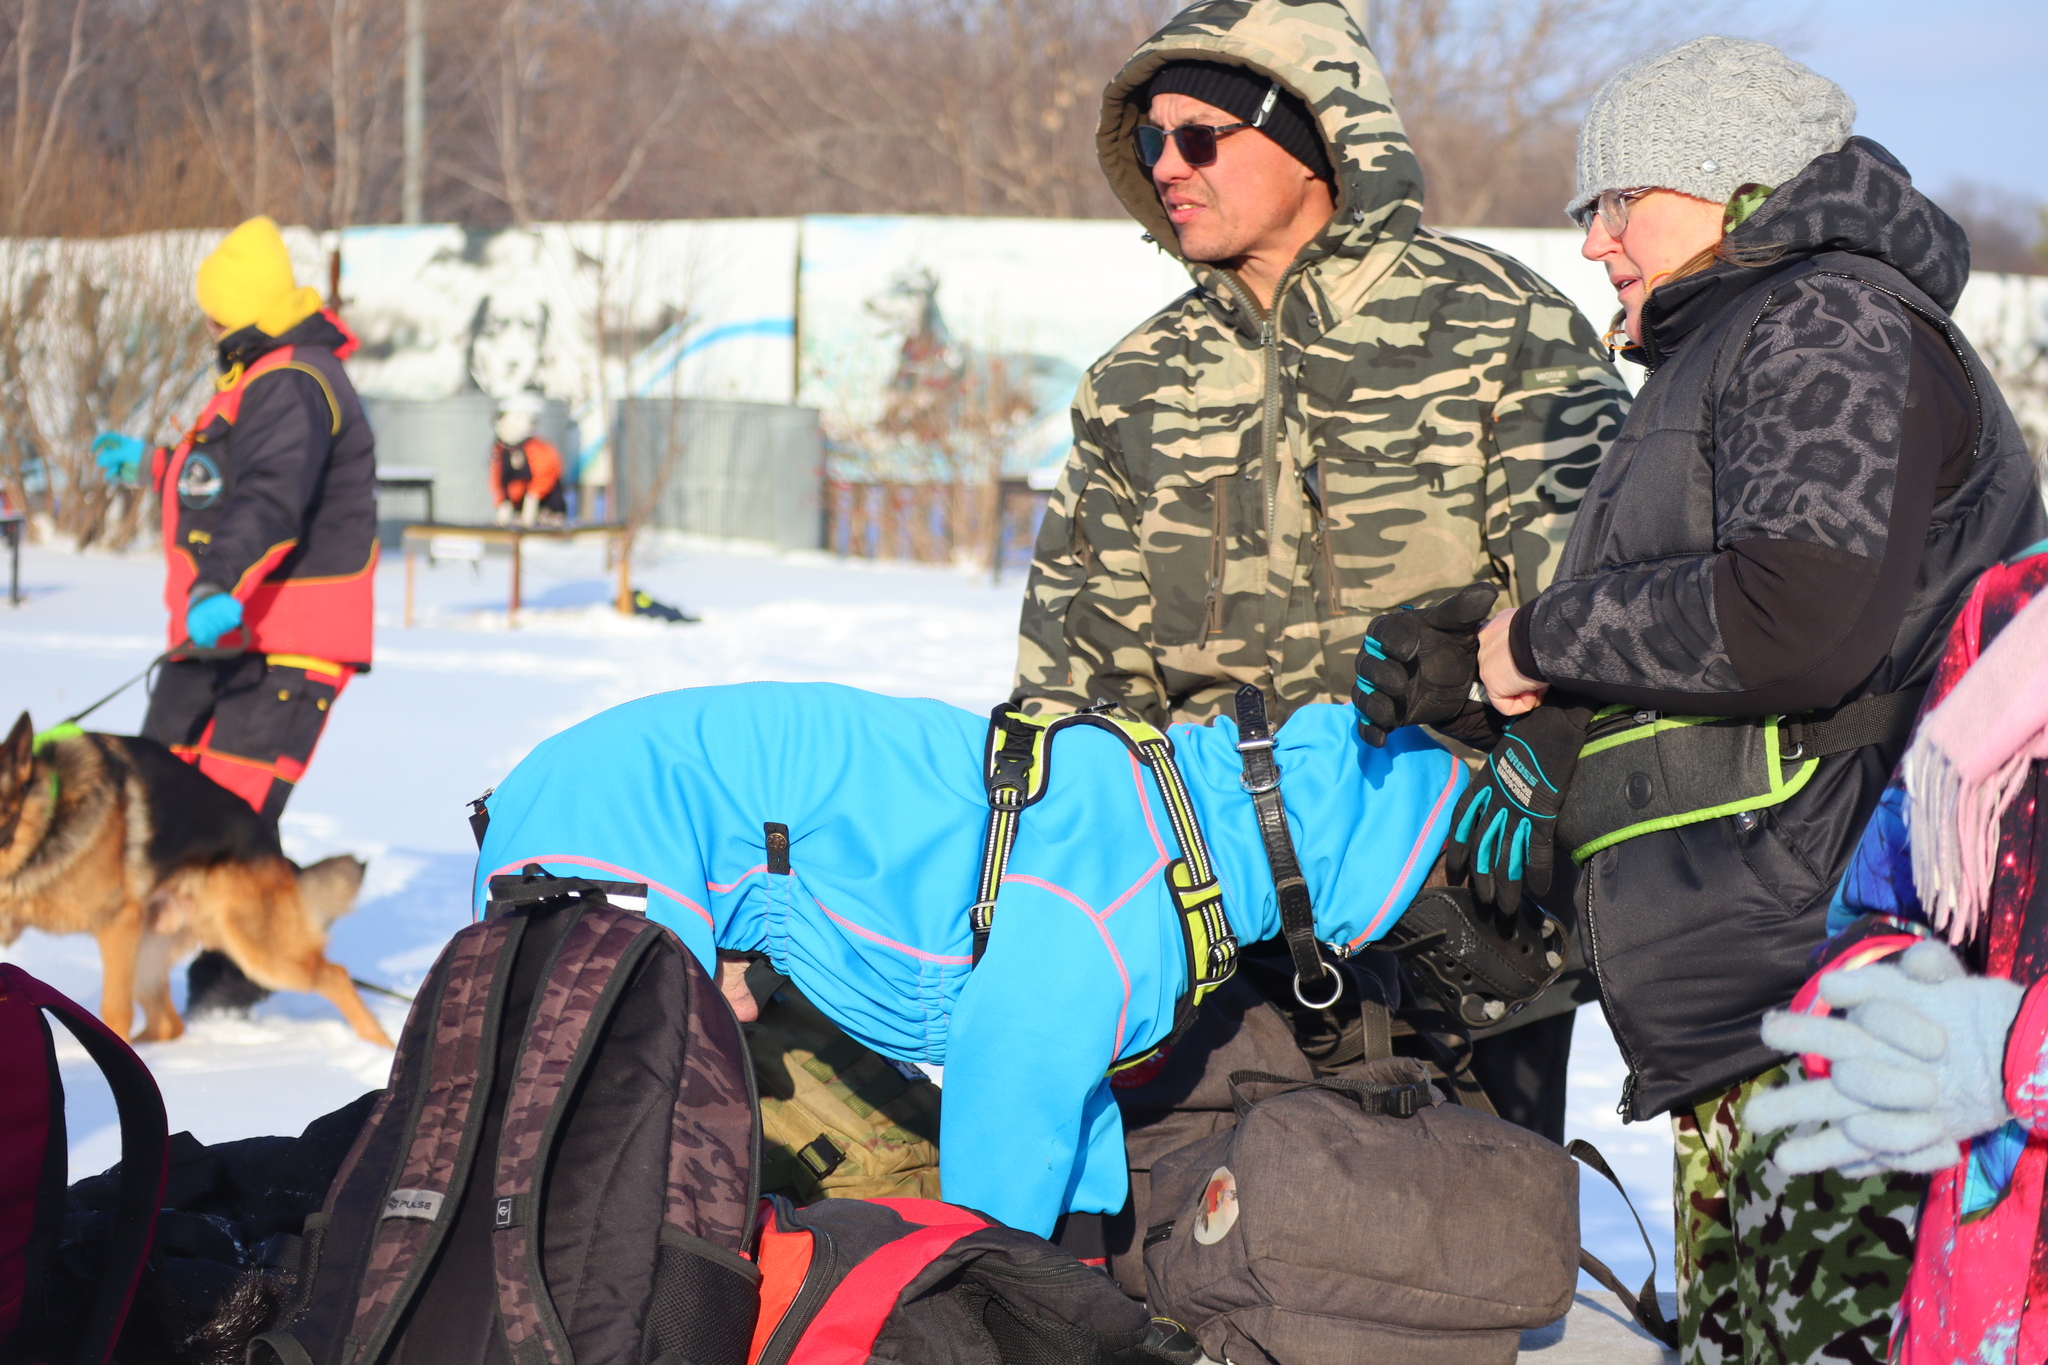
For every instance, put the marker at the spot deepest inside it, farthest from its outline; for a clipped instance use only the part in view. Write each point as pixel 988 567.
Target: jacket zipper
pixel 1329 557
pixel 1212 606
pixel 1628 1055
pixel 1269 356
pixel 810 1296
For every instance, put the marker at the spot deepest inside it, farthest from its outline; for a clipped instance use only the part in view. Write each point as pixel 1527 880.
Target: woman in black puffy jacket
pixel 1815 471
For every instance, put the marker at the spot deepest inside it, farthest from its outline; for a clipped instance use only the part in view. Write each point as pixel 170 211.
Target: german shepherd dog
pixel 115 836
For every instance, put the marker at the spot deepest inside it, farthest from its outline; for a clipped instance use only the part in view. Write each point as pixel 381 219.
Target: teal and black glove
pixel 119 457
pixel 1418 667
pixel 211 616
pixel 1503 831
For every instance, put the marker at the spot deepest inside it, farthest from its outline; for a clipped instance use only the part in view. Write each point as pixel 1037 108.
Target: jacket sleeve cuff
pixel 2026 1060
pixel 201 591
pixel 1523 653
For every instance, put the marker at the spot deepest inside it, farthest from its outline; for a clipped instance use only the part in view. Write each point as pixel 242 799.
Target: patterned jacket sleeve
pixel 1820 508
pixel 1086 622
pixel 1562 406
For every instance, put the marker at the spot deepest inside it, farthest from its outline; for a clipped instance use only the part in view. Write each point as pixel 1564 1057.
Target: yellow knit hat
pixel 248 279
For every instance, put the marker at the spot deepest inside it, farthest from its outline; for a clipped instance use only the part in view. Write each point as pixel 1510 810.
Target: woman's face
pixel 1665 230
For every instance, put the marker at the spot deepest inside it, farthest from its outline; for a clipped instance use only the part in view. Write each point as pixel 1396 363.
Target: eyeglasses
pixel 1612 206
pixel 1197 141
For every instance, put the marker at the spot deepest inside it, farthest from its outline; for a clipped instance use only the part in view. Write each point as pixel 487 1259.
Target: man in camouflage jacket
pixel 1249 487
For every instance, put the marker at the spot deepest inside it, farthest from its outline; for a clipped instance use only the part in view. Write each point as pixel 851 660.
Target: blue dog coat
pixel 886 810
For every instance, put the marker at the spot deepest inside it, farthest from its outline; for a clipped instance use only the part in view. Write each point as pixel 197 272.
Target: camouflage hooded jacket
pixel 1248 489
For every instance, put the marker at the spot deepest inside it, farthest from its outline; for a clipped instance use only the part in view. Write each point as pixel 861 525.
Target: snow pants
pixel 1779 1269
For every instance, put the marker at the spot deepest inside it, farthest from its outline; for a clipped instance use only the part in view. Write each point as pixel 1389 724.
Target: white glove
pixel 504 514
pixel 1918 1066
pixel 530 512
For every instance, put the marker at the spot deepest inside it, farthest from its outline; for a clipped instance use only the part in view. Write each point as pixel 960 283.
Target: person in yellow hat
pixel 269 535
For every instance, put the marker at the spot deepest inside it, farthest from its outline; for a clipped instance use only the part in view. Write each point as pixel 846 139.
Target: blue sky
pixel 1957 89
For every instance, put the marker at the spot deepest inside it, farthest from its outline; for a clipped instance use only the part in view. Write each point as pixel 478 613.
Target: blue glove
pixel 119 457
pixel 1918 1065
pixel 212 617
pixel 1502 831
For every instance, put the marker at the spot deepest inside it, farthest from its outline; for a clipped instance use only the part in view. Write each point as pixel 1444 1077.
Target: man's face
pixel 1255 196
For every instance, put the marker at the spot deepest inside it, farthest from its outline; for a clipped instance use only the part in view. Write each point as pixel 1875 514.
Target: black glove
pixel 1418 667
pixel 1503 829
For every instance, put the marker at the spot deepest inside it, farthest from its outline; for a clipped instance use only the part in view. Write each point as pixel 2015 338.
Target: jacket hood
pixel 1314 49
pixel 1858 200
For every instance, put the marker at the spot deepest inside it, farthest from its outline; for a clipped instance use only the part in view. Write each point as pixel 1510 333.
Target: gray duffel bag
pixel 1363 1218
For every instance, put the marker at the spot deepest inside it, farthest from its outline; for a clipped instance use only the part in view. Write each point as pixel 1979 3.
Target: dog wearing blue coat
pixel 886 810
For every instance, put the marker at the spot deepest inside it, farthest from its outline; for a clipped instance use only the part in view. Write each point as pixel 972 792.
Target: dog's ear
pixel 18 754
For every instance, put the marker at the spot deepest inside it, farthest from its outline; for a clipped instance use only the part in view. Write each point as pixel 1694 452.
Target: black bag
pixel 563 1168
pixel 920 1282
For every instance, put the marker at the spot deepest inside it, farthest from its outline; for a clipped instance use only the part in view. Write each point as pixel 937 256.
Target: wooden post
pixel 624 601
pixel 411 569
pixel 512 611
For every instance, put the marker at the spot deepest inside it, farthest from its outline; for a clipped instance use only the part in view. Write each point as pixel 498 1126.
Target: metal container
pixel 721 467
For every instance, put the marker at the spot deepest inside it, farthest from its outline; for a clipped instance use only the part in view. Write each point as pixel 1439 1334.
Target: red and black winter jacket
pixel 272 497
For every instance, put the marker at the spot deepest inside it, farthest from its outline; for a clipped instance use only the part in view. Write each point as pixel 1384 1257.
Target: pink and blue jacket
pixel 1978 1290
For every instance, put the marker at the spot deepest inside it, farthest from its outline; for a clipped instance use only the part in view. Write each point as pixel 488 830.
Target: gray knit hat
pixel 1707 117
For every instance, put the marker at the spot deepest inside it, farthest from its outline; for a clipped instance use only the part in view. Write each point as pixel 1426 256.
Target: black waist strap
pixel 1872 720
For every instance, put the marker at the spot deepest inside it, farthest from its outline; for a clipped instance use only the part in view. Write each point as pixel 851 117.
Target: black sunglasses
pixel 1197 141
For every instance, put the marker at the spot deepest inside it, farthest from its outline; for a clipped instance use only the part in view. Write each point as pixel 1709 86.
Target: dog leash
pixel 384 991
pixel 175 654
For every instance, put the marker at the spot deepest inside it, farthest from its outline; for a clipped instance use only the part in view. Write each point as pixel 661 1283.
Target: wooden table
pixel 421 536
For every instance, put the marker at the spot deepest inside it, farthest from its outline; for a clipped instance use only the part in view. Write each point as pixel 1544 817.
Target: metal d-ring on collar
pixel 1261 781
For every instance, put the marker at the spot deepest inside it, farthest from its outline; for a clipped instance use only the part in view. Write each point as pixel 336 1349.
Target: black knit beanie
pixel 1239 91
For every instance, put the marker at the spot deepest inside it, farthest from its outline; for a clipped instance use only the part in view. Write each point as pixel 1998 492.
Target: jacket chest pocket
pixel 1398 520
pixel 1653 498
pixel 1198 519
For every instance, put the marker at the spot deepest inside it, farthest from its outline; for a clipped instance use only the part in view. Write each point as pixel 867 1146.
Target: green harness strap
pixel 1016 770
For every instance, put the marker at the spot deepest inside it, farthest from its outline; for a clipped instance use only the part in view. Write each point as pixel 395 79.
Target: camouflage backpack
pixel 563 1168
pixel 838 1121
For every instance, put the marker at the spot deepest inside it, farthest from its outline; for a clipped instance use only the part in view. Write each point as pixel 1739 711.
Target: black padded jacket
pixel 1817 468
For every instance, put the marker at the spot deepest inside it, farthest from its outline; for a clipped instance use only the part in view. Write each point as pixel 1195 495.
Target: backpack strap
pixel 145 1157
pixel 1643 1306
pixel 1017 768
pixel 579 989
pixel 443 1121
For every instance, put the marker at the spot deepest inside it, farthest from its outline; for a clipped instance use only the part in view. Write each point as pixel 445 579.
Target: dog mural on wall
pixel 115 836
pixel 952 404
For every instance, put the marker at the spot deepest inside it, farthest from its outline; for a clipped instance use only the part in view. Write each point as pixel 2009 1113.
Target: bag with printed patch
pixel 564 1166
pixel 1363 1218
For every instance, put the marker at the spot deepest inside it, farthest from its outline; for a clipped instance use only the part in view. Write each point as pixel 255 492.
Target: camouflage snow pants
pixel 1778 1269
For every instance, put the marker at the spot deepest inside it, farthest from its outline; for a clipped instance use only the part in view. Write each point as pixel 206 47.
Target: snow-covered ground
pixel 456 701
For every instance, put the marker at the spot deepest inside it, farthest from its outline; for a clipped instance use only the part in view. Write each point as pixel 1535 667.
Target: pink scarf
pixel 1966 765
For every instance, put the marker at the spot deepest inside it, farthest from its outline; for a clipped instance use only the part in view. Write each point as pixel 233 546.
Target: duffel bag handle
pixel 1643 1307
pixel 1401 1100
